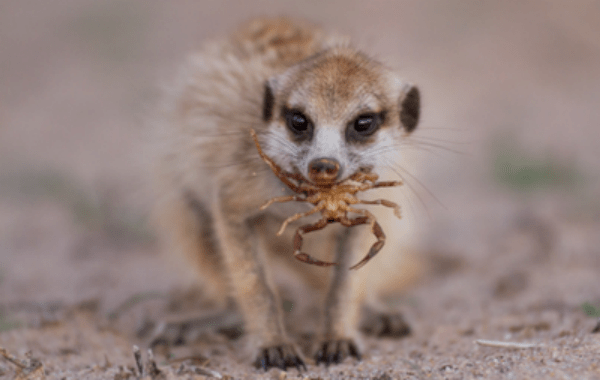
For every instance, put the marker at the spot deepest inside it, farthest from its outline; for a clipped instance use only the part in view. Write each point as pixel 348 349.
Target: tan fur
pixel 211 181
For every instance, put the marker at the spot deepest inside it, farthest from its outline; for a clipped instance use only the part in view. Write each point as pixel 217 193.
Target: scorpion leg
pixel 321 223
pixel 362 177
pixel 377 231
pixel 288 198
pixel 295 217
pixel 386 203
pixel 375 185
pixel 347 222
pixel 387 184
pixel 277 170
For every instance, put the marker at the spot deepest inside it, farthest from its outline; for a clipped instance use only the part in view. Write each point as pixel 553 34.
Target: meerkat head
pixel 337 113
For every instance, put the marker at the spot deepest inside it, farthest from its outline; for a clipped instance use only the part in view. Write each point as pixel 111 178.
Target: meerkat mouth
pixel 327 182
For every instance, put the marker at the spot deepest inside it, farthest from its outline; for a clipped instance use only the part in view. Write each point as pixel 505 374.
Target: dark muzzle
pixel 324 171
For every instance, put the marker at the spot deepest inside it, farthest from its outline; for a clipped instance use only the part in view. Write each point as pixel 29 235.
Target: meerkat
pixel 313 100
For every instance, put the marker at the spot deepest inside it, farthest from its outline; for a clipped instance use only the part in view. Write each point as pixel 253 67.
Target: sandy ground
pixel 509 187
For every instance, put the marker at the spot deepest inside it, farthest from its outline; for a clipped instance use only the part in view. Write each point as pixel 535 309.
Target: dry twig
pixel 501 344
pixel 27 369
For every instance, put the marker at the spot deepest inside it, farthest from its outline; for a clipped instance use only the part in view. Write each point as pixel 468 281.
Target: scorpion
pixel 334 200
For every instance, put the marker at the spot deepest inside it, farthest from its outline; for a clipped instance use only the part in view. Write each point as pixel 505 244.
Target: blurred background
pixel 509 137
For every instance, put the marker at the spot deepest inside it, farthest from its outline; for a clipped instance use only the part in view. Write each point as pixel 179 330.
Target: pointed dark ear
pixel 268 102
pixel 410 107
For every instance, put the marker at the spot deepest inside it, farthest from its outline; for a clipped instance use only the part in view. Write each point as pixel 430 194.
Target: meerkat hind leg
pixel 191 224
pixel 383 322
pixel 227 322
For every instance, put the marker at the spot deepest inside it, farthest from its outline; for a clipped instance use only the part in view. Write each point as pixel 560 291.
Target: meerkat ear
pixel 410 107
pixel 268 102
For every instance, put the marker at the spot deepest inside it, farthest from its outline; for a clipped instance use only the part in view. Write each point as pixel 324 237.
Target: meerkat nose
pixel 324 170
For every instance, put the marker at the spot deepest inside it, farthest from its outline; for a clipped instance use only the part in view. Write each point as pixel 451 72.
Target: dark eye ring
pixel 299 124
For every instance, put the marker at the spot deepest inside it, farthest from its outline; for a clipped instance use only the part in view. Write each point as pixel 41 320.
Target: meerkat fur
pixel 303 91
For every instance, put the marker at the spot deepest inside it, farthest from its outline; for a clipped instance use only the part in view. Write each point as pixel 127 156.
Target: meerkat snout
pixel 324 170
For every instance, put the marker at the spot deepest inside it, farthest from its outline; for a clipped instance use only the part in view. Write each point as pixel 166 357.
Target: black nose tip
pixel 324 170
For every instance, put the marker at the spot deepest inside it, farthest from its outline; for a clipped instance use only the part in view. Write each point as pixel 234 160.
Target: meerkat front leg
pixel 339 338
pixel 253 290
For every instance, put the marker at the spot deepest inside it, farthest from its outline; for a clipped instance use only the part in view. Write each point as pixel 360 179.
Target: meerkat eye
pixel 299 124
pixel 364 126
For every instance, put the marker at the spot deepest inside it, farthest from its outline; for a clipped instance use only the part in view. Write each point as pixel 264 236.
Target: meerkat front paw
pixel 335 351
pixel 280 356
